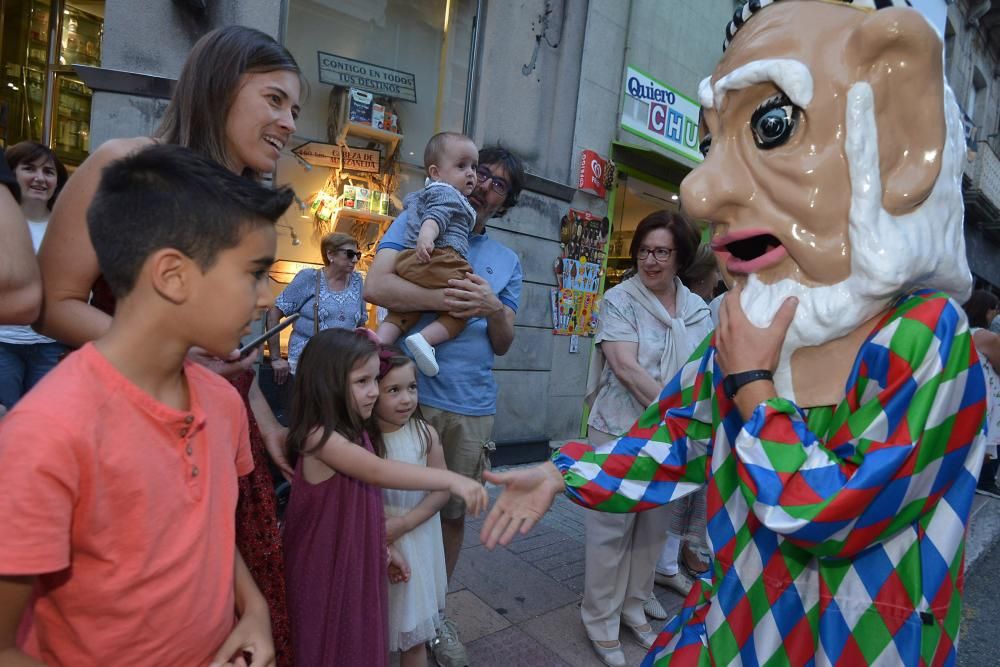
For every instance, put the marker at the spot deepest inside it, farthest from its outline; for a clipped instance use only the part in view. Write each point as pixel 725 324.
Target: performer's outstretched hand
pixel 526 496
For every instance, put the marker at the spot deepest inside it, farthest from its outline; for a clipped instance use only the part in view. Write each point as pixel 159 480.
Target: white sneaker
pixel 423 354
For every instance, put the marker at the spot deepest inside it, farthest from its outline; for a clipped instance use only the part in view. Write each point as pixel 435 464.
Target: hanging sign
pixel 658 113
pixel 593 173
pixel 360 159
pixel 349 73
pixel 319 154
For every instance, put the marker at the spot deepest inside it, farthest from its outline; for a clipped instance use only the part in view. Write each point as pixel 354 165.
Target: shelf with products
pixel 351 129
pixel 379 219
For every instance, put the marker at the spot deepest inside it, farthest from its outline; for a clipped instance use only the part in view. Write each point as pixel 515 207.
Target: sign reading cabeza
pixel 339 71
pixel 320 154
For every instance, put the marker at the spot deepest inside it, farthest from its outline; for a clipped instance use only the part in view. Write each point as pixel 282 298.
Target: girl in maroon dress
pixel 335 549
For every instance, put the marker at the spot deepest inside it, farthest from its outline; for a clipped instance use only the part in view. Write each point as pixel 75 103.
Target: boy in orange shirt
pixel 119 470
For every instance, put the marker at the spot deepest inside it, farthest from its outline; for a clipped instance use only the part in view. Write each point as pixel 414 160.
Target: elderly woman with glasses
pixel 327 298
pixel 649 326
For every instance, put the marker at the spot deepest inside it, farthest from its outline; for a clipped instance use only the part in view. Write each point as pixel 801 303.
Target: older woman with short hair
pixel 649 325
pixel 327 298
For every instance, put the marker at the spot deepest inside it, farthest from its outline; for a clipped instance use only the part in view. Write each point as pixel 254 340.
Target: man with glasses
pixel 461 401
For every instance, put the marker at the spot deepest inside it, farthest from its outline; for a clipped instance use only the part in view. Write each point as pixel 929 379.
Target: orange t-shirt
pixel 125 509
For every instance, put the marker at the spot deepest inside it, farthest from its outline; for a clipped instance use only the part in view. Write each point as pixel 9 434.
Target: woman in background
pixel 25 355
pixel 327 298
pixel 649 326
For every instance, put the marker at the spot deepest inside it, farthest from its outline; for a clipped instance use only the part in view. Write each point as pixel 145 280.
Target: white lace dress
pixel 414 606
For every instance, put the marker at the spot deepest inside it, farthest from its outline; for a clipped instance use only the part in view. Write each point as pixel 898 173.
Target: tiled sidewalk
pixel 519 605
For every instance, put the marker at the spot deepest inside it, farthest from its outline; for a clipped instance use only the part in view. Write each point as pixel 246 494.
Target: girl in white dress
pixel 412 523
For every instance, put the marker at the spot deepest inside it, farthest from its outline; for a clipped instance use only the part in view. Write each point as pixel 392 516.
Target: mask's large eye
pixel 774 121
pixel 705 144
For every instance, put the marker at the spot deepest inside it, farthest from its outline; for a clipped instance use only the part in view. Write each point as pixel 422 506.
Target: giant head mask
pixel 833 171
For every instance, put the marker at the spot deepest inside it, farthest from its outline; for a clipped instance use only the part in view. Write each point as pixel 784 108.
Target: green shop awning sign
pixel 658 113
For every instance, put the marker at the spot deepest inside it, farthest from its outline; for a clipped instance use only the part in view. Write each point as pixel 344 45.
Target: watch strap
pixel 734 381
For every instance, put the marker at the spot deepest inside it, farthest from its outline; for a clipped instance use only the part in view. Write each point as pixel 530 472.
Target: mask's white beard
pixel 889 254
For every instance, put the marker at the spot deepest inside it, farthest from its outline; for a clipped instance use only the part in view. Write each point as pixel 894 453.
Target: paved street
pixel 979 646
pixel 519 605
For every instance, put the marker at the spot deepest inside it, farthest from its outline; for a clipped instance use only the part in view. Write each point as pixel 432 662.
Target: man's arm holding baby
pixel 384 288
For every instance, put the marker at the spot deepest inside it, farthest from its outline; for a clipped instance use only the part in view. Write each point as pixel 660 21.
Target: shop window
pixel 404 35
pixel 426 42
pixel 41 97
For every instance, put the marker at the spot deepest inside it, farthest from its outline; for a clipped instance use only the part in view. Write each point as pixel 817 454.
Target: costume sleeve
pixel 294 296
pixel 510 295
pixel 915 405
pixel 663 457
pixel 40 478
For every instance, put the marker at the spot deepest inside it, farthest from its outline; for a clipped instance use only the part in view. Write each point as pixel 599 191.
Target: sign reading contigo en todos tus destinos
pixel 657 112
pixel 340 71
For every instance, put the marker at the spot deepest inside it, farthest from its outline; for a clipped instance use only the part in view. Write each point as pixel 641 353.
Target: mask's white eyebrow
pixel 791 76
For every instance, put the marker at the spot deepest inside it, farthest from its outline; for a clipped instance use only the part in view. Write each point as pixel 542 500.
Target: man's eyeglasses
pixel 659 254
pixel 498 184
pixel 352 255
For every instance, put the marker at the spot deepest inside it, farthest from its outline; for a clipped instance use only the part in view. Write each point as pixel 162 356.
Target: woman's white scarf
pixel 690 310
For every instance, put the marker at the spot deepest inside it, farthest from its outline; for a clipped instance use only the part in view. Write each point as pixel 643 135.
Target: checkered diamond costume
pixel 838 532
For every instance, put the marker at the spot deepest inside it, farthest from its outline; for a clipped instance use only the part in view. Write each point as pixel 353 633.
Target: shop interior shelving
pixel 351 129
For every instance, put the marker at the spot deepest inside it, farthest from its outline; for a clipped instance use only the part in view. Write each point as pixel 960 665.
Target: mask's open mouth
pixel 753 247
pixel 748 251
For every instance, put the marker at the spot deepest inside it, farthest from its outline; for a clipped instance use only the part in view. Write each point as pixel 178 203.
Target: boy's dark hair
pixel 168 196
pixel 322 395
pixel 437 145
pixel 499 154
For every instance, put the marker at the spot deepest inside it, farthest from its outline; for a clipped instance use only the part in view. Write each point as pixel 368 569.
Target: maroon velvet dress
pixel 338 597
pixel 257 535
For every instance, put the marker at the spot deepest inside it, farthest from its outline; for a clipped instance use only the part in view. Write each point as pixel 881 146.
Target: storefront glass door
pixel 40 97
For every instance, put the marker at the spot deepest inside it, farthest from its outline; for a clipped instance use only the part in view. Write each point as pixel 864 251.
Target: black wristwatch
pixel 734 381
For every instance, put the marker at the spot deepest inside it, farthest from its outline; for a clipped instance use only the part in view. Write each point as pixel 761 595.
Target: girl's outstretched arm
pixel 397 526
pixel 347 458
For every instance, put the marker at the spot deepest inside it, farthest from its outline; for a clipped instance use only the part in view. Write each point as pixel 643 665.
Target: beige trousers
pixel 621 554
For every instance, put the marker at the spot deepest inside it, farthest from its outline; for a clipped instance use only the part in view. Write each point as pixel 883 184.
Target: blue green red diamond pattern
pixel 838 532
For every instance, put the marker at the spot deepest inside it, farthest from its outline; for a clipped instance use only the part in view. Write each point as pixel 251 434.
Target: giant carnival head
pixel 833 163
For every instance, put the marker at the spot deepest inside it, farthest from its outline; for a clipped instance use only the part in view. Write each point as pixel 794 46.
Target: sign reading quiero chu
pixel 340 71
pixel 657 112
